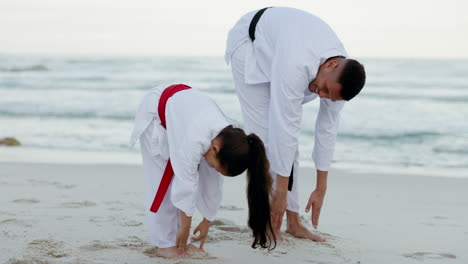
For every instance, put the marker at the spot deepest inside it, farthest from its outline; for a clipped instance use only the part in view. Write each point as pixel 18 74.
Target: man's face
pixel 326 83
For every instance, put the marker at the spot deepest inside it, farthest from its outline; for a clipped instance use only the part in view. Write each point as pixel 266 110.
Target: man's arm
pixel 326 129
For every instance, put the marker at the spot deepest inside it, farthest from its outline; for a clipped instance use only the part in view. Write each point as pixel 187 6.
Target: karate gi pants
pixel 163 225
pixel 255 102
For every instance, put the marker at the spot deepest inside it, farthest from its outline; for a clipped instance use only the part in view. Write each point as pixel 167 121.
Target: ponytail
pixel 258 194
pixel 238 153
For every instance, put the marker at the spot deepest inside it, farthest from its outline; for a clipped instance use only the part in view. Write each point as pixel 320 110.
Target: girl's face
pixel 212 160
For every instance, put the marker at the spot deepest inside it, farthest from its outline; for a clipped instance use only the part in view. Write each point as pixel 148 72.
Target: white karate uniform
pixel 192 121
pixel 271 77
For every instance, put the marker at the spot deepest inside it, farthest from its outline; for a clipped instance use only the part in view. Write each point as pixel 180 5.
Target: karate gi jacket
pixel 192 121
pixel 289 47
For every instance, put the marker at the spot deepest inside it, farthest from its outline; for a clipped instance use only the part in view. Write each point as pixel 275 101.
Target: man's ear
pixel 215 147
pixel 331 64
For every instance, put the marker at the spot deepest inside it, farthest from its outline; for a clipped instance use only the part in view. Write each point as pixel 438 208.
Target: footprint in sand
pixel 15 222
pixel 116 209
pixel 61 218
pixel 440 221
pixel 219 236
pixel 195 254
pixel 56 184
pixel 78 204
pixel 8 235
pixel 32 260
pixel 132 223
pixel 150 252
pixel 112 202
pixel 133 242
pixel 326 244
pixel 327 235
pixel 6 213
pixel 428 223
pixel 64 186
pixel 114 205
pixel 430 255
pixel 26 201
pixel 96 245
pixel 48 247
pixel 101 219
pixel 236 229
pixel 221 222
pixel 220 233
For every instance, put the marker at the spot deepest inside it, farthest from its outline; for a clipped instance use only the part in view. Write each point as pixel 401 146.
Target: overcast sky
pixel 368 28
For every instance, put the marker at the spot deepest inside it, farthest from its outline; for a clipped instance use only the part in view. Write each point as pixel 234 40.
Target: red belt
pixel 168 172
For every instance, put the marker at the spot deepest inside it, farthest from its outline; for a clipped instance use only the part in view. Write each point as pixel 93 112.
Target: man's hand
pixel 317 196
pixel 315 201
pixel 279 202
pixel 203 228
pixel 183 233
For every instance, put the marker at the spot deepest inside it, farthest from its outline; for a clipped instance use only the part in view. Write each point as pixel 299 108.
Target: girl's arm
pixel 184 232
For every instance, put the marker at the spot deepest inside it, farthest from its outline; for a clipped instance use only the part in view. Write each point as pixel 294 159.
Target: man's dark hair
pixel 352 79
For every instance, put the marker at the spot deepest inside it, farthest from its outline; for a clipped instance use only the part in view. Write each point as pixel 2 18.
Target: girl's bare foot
pixel 171 252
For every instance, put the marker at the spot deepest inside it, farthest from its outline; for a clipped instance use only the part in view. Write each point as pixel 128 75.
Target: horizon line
pixel 94 54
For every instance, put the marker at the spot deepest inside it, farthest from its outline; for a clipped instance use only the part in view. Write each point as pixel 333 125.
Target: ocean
pixel 411 117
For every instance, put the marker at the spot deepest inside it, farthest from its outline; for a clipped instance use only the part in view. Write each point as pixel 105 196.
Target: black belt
pixel 291 179
pixel 253 23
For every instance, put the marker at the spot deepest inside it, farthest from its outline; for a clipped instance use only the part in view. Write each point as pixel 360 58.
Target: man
pixel 282 58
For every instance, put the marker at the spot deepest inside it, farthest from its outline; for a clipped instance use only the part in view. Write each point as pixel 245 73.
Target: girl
pixel 185 143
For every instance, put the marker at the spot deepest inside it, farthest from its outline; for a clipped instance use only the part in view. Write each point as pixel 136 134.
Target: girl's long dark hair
pixel 238 153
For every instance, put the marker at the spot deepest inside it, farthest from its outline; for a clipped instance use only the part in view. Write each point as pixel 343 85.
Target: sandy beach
pixel 61 213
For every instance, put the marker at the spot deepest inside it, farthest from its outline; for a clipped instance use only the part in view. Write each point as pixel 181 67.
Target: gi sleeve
pixel 185 151
pixel 185 181
pixel 210 191
pixel 326 129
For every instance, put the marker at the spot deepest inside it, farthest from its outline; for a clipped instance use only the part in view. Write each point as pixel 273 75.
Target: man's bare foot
pixel 301 231
pixel 295 228
pixel 171 252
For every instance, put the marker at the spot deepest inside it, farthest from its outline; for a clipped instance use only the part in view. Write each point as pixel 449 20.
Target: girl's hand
pixel 203 229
